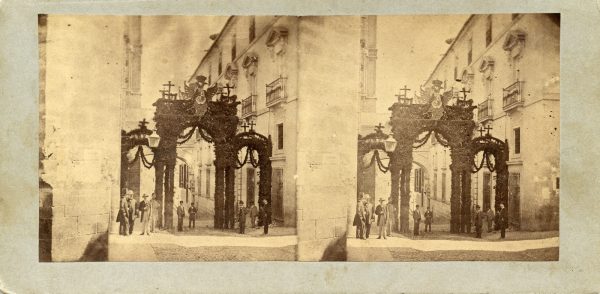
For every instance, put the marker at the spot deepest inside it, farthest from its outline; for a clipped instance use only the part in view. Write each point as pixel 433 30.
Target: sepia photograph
pixel 168 138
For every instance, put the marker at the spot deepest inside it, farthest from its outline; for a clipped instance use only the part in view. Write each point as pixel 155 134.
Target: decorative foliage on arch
pixel 252 141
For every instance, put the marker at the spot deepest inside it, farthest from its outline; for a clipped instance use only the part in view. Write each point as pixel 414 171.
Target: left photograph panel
pixel 160 142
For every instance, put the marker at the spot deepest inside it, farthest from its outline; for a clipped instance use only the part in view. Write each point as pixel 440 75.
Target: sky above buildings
pixel 172 49
pixel 409 48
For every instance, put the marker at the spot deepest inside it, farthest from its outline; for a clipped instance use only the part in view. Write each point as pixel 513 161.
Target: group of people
pixel 192 211
pixel 500 219
pixel 366 215
pixel 129 210
pixel 417 219
pixel 258 216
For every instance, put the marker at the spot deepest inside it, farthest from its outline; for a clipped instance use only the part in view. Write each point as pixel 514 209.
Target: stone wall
pixel 81 136
pixel 326 175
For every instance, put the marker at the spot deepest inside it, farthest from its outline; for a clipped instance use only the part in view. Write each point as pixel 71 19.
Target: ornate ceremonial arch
pixel 177 120
pixel 452 126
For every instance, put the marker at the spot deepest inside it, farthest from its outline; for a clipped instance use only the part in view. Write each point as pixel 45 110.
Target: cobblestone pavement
pixel 224 245
pixel 443 246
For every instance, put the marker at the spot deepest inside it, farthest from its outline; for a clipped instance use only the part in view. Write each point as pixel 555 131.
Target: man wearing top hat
pixel 382 217
pixel 478 221
pixel 123 216
pixel 417 220
pixel 145 209
pixel 369 215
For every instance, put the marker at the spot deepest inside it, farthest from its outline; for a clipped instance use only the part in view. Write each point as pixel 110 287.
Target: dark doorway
pixel 277 194
pixel 514 195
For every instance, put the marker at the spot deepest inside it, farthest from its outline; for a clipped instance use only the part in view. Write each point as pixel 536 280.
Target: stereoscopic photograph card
pixel 410 141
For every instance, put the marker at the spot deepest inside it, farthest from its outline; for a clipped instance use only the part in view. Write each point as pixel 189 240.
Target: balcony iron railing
pixel 249 106
pixel 485 110
pixel 512 96
pixel 275 91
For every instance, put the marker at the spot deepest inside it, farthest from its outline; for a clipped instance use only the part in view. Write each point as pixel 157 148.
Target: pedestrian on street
pixel 478 221
pixel 180 216
pixel 266 215
pixel 417 220
pixel 145 209
pixel 242 211
pixel 502 220
pixel 382 217
pixel 391 210
pixel 192 216
pixel 131 214
pixel 154 211
pixel 369 215
pixel 253 214
pixel 428 219
pixel 123 217
pixel 489 218
pixel 359 219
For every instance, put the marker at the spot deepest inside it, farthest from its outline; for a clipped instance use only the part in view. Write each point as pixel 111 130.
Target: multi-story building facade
pixel 510 65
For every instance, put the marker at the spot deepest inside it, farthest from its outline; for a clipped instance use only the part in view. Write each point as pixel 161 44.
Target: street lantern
pixel 153 140
pixel 390 144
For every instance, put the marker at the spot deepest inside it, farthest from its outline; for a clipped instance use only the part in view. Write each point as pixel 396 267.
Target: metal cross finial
pixel 481 130
pixel 228 87
pixel 464 92
pixel 402 95
pixel 245 126
pixel 378 128
pixel 143 123
pixel 163 92
pixel 169 85
pixel 252 124
pixel 488 128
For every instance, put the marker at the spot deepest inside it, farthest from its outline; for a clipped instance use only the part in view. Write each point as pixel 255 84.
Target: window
pixel 517 141
pixel 183 176
pixel 557 183
pixel 514 16
pixel 280 136
pixel 470 52
pixel 208 183
pixel 233 49
pixel 209 74
pixel 252 29
pixel 220 69
pixel 443 187
pixel 488 31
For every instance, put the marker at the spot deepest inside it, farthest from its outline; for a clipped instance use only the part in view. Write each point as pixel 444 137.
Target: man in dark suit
pixel 417 220
pixel 428 219
pixel 131 215
pixel 502 220
pixel 180 216
pixel 192 211
pixel 478 221
pixel 242 211
pixel 265 214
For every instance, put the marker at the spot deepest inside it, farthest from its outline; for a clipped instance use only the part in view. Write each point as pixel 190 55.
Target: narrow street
pixel 205 244
pixel 443 246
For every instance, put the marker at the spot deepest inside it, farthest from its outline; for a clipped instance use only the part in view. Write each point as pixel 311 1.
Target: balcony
pixel 484 112
pixel 275 92
pixel 249 106
pixel 512 96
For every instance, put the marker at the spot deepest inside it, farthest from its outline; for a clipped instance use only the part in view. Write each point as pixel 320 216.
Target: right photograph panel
pixel 458 146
